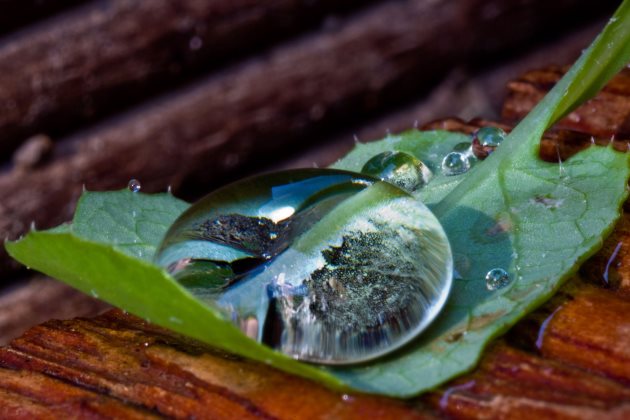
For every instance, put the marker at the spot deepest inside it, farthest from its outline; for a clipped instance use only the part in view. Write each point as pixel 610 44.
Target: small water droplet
pixel 347 398
pixel 262 253
pixel 455 163
pixel 486 140
pixel 94 293
pixel 134 185
pixel 497 278
pixel 400 169
pixel 195 43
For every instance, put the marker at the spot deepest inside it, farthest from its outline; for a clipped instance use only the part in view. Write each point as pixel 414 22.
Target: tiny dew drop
pixel 327 266
pixel 455 163
pixel 486 140
pixel 497 278
pixel 399 168
pixel 134 185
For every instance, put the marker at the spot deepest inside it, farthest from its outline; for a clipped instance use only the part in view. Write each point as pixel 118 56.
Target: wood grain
pixel 105 56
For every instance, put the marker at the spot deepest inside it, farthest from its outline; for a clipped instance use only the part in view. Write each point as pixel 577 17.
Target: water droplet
pixel 455 163
pixel 134 185
pixel 314 263
pixel 486 140
pixel 497 278
pixel 398 168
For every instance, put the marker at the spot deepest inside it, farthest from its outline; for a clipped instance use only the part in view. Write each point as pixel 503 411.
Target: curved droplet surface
pixel 497 278
pixel 323 265
pixel 134 185
pixel 486 139
pixel 455 163
pixel 398 168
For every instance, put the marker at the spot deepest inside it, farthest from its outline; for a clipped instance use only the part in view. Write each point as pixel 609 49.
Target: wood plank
pixel 105 56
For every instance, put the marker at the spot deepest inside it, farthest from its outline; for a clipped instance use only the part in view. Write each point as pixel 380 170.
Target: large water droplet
pixel 497 278
pixel 398 168
pixel 327 266
pixel 486 139
pixel 455 163
pixel 134 185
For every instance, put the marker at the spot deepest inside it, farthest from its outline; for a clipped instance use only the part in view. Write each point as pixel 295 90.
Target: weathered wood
pixel 121 357
pixel 606 115
pixel 108 55
pixel 198 137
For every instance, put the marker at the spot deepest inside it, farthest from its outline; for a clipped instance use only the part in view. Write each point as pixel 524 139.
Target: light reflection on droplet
pixel 497 278
pixel 399 168
pixel 134 185
pixel 455 163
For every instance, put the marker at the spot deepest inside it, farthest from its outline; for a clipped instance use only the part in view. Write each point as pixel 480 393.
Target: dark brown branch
pixel 104 57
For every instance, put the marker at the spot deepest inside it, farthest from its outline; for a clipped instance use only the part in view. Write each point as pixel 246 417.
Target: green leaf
pixel 537 220
pixel 95 256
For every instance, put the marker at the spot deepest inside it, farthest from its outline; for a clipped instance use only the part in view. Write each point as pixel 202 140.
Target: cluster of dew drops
pixel 484 141
pixel 410 173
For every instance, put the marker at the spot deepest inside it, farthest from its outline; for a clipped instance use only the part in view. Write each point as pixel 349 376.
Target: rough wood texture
pixel 574 364
pixel 201 135
pixel 107 55
pixel 606 115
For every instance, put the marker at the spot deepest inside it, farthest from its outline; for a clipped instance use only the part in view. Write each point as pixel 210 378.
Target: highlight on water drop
pixel 485 140
pixel 134 185
pixel 497 278
pixel 399 168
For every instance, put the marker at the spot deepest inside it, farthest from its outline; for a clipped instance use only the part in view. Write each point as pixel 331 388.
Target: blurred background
pixel 191 94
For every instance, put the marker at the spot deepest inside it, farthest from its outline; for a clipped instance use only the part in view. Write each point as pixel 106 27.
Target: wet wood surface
pixel 569 359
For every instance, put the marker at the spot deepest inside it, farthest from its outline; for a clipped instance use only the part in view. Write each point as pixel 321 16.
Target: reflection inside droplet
pixel 357 268
pixel 398 168
pixel 486 140
pixel 497 278
pixel 455 163
pixel 134 185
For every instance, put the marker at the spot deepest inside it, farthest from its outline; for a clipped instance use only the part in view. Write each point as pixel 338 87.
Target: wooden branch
pixel 578 367
pixel 104 57
pixel 255 112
